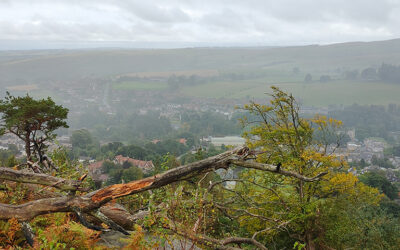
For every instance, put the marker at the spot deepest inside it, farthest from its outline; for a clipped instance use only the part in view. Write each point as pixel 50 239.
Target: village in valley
pixel 362 156
pixel 100 96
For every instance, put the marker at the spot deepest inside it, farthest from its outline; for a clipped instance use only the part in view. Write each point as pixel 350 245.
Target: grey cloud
pixel 155 13
pixel 263 21
pixel 225 20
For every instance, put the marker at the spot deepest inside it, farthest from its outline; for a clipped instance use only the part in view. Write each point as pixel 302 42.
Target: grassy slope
pixel 273 64
pixel 311 94
pixel 69 64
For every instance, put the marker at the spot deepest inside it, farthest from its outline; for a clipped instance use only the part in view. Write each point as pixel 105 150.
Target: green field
pixel 309 94
pixel 77 64
pixel 258 67
pixel 137 85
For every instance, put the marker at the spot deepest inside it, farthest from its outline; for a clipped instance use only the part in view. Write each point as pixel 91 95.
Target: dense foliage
pixel 33 121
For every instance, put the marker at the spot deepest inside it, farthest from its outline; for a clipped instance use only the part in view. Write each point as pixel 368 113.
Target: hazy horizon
pixel 10 45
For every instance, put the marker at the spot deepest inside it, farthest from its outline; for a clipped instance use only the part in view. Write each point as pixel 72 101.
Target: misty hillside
pixel 71 64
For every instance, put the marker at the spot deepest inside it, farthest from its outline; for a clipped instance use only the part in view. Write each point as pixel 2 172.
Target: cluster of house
pixel 391 174
pixel 369 148
pixel 96 173
pixel 175 111
pixel 366 150
pixel 10 139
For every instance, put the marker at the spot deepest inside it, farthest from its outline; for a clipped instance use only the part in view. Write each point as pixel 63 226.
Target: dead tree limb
pixel 109 222
pixel 216 243
pixel 98 198
pixel 276 169
pixel 121 216
pixel 42 179
pixel 86 223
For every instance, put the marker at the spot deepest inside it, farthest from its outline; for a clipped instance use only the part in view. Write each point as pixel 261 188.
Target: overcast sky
pixel 259 22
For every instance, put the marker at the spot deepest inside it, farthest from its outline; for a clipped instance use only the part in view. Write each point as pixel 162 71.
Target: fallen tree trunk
pixel 121 216
pixel 98 198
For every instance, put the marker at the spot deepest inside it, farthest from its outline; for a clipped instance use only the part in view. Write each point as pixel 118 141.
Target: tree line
pixel 387 73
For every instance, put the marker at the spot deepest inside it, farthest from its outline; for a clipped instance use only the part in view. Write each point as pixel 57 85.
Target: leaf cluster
pixel 21 114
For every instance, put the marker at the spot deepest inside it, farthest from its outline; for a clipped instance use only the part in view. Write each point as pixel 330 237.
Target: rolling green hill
pixel 33 65
pixel 259 68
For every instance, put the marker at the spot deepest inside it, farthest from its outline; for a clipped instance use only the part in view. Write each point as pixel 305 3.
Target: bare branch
pixel 275 169
pixel 84 222
pixel 42 179
pixel 239 240
pixel 109 222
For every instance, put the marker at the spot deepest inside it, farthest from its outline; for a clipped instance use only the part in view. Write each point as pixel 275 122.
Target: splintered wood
pixel 119 190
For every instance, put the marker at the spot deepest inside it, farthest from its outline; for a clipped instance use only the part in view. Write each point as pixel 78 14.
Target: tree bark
pixel 309 241
pixel 98 198
pixel 42 179
pixel 28 145
pixel 276 169
pixel 121 216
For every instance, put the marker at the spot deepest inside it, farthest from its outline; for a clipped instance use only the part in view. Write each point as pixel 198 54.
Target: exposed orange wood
pixel 118 190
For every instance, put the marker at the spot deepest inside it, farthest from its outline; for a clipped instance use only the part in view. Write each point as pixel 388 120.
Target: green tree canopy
pixel 379 181
pixel 81 138
pixel 33 121
pixel 131 174
pixel 293 207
